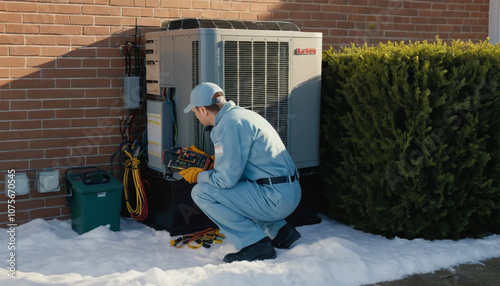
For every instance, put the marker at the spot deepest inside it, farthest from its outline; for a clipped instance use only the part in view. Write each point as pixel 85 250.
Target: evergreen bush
pixel 410 138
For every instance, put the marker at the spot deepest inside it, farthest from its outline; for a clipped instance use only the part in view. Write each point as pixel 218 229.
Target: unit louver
pixel 192 23
pixel 195 79
pixel 256 77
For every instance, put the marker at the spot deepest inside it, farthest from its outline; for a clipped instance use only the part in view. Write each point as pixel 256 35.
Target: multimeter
pixel 183 158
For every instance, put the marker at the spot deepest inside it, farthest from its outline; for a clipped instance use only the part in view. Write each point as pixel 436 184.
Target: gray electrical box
pixel 270 67
pixel 131 92
pixel 160 133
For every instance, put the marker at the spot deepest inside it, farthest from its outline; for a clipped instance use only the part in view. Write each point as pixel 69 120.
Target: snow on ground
pixel 329 253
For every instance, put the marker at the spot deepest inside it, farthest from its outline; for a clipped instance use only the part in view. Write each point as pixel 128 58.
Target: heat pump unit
pixel 270 67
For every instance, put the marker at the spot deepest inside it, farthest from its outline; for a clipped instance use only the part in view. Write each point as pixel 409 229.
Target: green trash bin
pixel 95 199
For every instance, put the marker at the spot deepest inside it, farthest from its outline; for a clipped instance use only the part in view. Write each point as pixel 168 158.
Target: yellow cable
pixel 133 164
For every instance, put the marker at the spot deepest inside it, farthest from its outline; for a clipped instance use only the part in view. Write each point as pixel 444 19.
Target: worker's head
pixel 206 100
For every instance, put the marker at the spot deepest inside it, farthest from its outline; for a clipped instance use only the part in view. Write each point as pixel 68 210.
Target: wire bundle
pixel 140 212
pixel 203 238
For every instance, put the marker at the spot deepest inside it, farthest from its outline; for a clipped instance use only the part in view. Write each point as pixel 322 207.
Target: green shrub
pixel 410 138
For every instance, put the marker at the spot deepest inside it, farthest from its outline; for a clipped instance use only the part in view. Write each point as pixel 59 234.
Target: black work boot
pixel 286 236
pixel 262 249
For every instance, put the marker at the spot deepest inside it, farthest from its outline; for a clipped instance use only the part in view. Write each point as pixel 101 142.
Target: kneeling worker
pixel 254 184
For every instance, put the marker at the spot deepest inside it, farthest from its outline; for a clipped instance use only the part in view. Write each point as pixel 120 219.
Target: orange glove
pixel 212 158
pixel 191 174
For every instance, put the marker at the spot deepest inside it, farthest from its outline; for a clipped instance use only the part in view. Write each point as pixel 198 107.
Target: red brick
pixel 13 115
pixel 12 61
pixel 16 164
pixel 101 10
pixel 14 145
pixel 51 143
pixel 84 150
pixel 149 22
pixel 227 14
pixel 43 164
pixel 134 12
pixel 40 62
pixel 29 204
pixel 24 51
pixel 60 30
pixel 12 94
pixel 68 73
pixel 81 20
pixel 83 40
pixel 63 83
pixel 107 149
pixel 147 3
pixel 12 39
pixel 114 21
pixel 49 104
pixel 97 112
pixel 38 18
pixel 39 83
pixel 68 63
pixel 96 30
pixel 5 84
pixel 45 213
pixel 11 18
pixel 69 113
pixel 59 152
pixel 82 103
pixel 61 20
pixel 55 93
pixel 300 15
pixel 40 40
pixel 57 201
pixel 176 4
pixel 71 161
pixel 110 72
pixel 21 29
pixel 22 7
pixel 84 122
pixel 54 51
pixel 26 124
pixel 4 125
pixel 21 217
pixel 90 83
pixel 22 154
pixel 56 123
pixel 25 104
pixel 96 160
pixel 106 92
pixel 82 52
pixel 201 4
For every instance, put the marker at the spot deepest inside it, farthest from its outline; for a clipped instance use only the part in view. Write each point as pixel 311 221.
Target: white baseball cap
pixel 202 95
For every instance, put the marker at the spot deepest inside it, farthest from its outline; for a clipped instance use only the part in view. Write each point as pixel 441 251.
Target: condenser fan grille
pixel 256 77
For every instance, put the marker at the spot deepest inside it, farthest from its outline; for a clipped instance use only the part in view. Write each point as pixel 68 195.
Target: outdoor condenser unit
pixel 270 67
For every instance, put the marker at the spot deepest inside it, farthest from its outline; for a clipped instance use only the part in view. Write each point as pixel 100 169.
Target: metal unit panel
pixel 167 62
pixel 259 70
pixel 305 99
pixel 152 66
pixel 160 132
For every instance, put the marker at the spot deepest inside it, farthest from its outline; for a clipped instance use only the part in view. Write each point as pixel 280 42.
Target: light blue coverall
pixel 247 148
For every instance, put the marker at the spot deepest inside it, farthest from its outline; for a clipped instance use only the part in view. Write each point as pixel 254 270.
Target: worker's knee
pixel 199 192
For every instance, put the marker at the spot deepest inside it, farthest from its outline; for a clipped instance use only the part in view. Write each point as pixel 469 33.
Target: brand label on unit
pixel 305 51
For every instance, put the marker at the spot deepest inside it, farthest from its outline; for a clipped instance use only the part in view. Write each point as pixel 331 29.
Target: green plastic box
pixel 94 202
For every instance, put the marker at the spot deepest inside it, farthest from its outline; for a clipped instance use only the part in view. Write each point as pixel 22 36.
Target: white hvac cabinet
pixel 269 67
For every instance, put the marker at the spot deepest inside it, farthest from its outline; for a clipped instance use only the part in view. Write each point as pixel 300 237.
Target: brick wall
pixel 61 69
